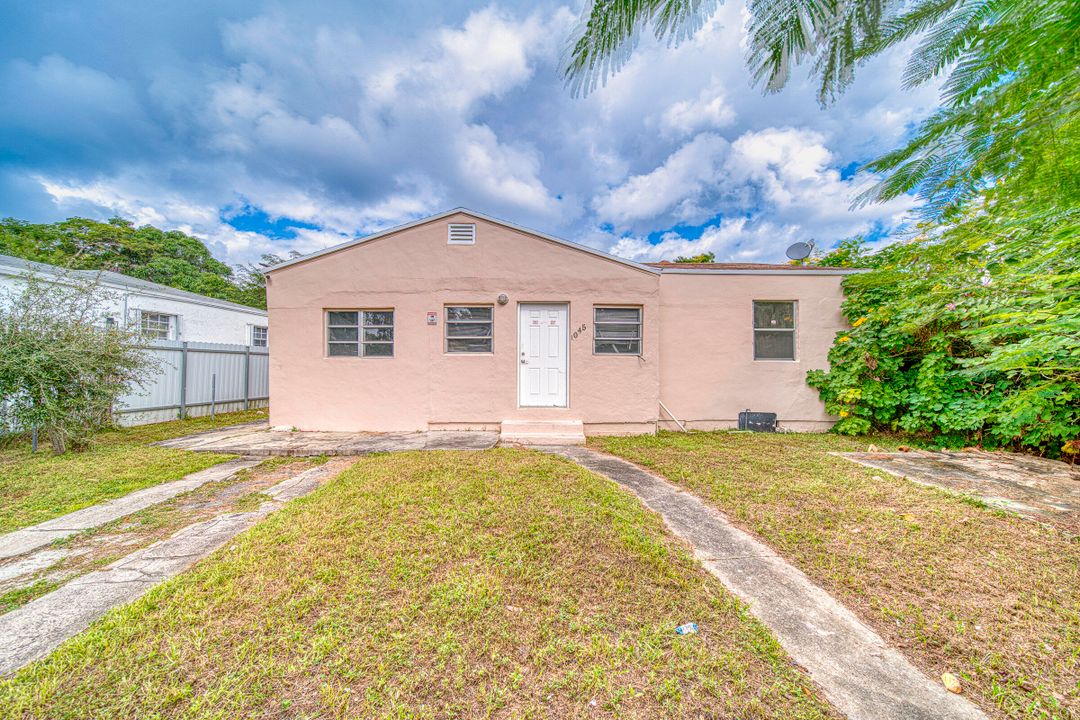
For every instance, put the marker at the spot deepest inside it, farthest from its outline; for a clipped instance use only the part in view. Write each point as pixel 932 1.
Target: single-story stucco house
pixel 461 321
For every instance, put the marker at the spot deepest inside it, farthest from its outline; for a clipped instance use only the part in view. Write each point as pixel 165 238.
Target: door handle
pixel 524 362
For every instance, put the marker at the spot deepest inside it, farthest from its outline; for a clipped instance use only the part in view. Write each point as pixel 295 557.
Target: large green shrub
pixel 61 368
pixel 969 332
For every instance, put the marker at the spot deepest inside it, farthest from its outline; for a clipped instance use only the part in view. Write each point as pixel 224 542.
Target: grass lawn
pixel 97 547
pixel 41 486
pixel 500 583
pixel 957 586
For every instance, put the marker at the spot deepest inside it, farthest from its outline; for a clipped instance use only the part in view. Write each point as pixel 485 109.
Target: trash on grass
pixel 687 629
pixel 951 683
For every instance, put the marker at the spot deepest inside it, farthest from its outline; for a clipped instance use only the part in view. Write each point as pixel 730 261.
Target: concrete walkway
pixel 1033 487
pixel 31 632
pixel 22 541
pixel 862 676
pixel 260 439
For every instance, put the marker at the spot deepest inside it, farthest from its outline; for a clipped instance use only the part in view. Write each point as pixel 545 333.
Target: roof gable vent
pixel 461 234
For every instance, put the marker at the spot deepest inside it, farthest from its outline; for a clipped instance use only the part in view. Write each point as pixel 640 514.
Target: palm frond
pixel 944 43
pixel 778 40
pixel 610 29
pixel 1010 97
pixel 913 21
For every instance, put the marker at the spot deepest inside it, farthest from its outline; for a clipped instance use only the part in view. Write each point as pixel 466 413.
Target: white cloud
pixel 673 186
pixel 732 240
pixel 489 55
pixel 798 182
pixel 172 213
pixel 502 172
pixel 770 187
pixel 710 110
pixel 346 117
pixel 166 210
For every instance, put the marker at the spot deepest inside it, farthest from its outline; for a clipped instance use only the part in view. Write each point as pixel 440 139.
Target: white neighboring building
pixel 161 312
pixel 214 354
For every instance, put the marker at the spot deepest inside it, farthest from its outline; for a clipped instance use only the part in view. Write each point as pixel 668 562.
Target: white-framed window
pixel 774 330
pixel 259 336
pixel 470 328
pixel 461 234
pixel 157 326
pixel 616 331
pixel 360 333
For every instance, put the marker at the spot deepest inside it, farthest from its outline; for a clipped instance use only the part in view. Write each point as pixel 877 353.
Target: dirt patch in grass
pixel 957 586
pixel 103 545
pixel 35 487
pixel 502 583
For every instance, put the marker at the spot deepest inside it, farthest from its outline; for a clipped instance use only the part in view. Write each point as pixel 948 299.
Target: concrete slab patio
pixel 34 630
pixel 861 675
pixel 1036 488
pixel 260 440
pixel 22 541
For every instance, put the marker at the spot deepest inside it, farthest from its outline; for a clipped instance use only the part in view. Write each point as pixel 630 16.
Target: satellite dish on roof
pixel 800 250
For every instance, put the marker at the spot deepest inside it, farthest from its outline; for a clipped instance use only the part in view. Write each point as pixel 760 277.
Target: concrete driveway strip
pixel 22 541
pixel 861 675
pixel 31 632
pixel 261 439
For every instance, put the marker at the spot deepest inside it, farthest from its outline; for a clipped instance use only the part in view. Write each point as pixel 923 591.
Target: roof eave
pixel 789 273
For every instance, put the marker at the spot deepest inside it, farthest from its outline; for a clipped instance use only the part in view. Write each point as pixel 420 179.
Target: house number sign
pixel 577 332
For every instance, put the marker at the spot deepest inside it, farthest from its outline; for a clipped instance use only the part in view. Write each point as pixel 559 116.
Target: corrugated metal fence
pixel 197 379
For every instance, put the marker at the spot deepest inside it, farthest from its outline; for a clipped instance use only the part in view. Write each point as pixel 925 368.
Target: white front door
pixel 542 355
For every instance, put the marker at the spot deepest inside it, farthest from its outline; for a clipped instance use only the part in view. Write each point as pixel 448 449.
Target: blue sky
pixel 278 126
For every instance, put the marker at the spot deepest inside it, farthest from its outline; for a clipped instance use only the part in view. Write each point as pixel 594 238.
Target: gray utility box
pixel 757 421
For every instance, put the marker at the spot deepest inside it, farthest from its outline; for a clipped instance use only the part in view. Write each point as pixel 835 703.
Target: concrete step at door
pixel 543 432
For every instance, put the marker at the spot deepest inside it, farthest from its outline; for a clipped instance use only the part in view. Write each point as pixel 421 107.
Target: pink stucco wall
pixel 707 369
pixel 415 272
pixel 697 348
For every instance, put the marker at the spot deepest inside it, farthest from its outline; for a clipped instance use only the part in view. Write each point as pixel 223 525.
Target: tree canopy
pixel 705 257
pixel 168 257
pixel 1008 103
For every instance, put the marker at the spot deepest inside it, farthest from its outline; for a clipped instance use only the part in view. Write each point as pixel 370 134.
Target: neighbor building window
pixel 617 330
pixel 259 336
pixel 157 326
pixel 469 329
pixel 774 330
pixel 360 333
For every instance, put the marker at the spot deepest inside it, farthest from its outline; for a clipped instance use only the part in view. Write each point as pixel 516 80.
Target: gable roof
pixel 10 265
pixel 479 216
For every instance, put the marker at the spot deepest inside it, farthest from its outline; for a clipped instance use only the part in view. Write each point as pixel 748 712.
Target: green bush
pixel 969 332
pixel 62 369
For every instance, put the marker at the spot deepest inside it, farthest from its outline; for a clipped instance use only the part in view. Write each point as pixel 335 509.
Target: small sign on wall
pixel 433 318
